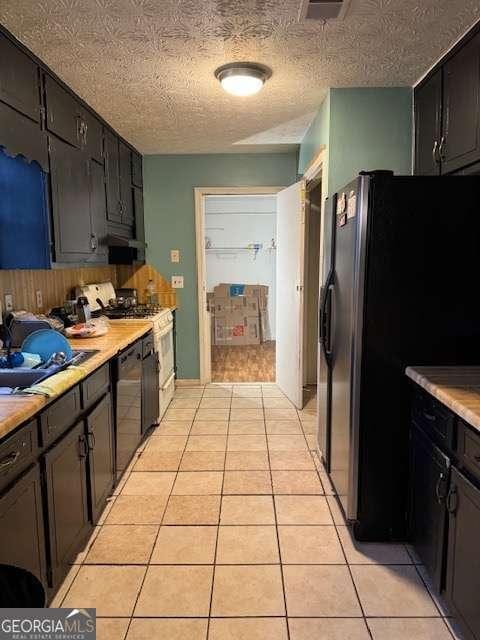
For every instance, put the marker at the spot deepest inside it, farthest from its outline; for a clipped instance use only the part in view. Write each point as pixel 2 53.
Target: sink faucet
pixel 6 338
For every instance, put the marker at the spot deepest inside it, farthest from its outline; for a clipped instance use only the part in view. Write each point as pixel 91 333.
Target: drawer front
pixel 95 385
pixel 16 453
pixel 434 418
pixel 147 344
pixel 61 415
pixel 469 449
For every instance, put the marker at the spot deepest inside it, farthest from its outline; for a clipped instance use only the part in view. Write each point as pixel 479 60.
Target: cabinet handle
pixel 452 501
pixel 91 440
pixel 436 159
pixel 83 447
pixel 429 416
pixel 10 459
pixel 440 496
pixel 441 149
pixel 93 242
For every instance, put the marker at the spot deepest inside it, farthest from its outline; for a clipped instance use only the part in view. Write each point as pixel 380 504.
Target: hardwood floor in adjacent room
pixel 244 363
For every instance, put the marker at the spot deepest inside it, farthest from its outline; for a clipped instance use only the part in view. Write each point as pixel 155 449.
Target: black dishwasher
pixel 150 384
pixel 128 404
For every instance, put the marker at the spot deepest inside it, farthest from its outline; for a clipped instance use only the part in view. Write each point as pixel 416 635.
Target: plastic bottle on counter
pixel 151 293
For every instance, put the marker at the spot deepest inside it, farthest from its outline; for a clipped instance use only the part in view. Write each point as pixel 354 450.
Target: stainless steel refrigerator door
pixel 347 327
pixel 323 374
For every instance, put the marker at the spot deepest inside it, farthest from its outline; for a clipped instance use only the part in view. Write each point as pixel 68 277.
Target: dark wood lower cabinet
pixel 429 476
pixel 22 538
pixel 67 503
pixel 101 460
pixel 463 561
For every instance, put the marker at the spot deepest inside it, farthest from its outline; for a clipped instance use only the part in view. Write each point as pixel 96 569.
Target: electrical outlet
pixel 39 297
pixel 177 282
pixel 175 255
pixel 8 302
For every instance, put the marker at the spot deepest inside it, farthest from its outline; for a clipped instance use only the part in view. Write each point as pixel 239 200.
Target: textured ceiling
pixel 147 65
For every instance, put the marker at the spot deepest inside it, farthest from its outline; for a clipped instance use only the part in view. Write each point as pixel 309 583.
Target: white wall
pixel 238 221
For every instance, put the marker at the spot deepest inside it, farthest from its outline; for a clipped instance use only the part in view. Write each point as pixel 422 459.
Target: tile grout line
pixel 159 528
pixel 276 532
pixel 218 523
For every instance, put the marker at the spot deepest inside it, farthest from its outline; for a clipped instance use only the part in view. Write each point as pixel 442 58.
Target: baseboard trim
pixel 187 382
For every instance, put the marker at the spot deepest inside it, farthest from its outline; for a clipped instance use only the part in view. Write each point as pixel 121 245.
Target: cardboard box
pixel 222 305
pixel 224 290
pixel 236 329
pixel 265 331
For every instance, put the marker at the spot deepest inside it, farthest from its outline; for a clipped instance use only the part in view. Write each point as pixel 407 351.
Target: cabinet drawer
pixel 95 385
pixel 59 416
pixel 434 418
pixel 147 344
pixel 16 453
pixel 468 449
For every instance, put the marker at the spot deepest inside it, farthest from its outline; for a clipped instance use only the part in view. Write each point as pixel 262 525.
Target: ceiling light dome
pixel 242 78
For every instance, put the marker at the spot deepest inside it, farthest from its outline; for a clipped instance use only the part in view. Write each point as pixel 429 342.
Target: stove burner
pixel 140 311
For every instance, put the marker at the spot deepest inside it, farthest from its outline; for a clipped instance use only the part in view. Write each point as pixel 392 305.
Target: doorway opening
pixel 240 257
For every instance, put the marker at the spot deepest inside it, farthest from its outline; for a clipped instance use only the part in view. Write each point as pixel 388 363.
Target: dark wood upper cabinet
pixel 461 114
pixel 66 487
pixel 137 169
pixel 70 182
pixel 428 126
pixel 101 458
pixel 463 569
pixel 112 177
pixel 22 525
pixel 19 84
pixel 126 195
pixel 98 213
pixel 92 136
pixel 63 112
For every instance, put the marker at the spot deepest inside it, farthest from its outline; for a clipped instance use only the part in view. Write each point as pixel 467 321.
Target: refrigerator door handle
pixel 329 309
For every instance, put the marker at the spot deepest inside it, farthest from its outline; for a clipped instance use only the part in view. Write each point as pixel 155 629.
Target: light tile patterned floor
pixel 225 527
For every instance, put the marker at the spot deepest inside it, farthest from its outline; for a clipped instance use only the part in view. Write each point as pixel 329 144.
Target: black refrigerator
pixel 401 273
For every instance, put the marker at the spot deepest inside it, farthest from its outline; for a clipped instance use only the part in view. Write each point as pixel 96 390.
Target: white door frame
pixel 203 315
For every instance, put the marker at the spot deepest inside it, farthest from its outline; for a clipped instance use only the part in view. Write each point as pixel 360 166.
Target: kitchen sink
pixel 21 378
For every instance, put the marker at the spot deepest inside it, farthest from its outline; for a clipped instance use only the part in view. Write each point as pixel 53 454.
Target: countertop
pixel 458 388
pixel 16 409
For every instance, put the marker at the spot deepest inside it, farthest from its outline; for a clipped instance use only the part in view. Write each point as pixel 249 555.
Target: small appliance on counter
pixel 22 323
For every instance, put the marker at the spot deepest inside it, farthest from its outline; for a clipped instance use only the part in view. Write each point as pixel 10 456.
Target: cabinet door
pixel 22 525
pixel 461 116
pixel 139 221
pixel 110 142
pixel 126 195
pixel 101 456
pixel 63 112
pixel 150 391
pixel 137 170
pixel 428 122
pixel 19 80
pixel 98 213
pixel 463 562
pixel 92 136
pixel 429 475
pixel 70 202
pixel 66 482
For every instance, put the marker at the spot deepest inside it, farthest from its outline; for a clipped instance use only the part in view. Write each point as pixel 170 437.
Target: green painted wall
pixel 169 181
pixel 316 135
pixel 363 128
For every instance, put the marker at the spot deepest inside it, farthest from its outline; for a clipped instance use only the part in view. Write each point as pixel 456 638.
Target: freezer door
pixel 324 323
pixel 346 343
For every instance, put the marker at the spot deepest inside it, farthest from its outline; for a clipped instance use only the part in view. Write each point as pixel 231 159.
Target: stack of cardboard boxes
pixel 239 314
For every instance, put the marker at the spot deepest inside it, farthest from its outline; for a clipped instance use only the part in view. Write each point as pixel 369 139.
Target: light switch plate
pixel 175 255
pixel 8 302
pixel 177 282
pixel 39 297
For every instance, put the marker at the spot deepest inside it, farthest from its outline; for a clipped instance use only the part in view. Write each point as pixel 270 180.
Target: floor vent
pixel 323 9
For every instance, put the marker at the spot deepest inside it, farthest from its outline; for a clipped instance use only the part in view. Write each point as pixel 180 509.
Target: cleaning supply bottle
pixel 151 293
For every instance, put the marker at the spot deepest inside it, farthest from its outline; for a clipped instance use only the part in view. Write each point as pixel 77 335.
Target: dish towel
pixel 58 383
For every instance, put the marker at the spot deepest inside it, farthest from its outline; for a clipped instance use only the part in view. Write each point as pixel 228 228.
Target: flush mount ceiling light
pixel 242 78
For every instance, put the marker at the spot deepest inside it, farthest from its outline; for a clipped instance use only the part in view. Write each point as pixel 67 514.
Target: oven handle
pixel 168 382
